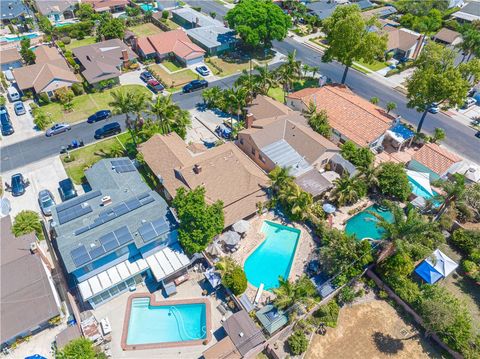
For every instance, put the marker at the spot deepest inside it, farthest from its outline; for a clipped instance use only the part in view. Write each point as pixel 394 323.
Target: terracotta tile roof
pixel 10 55
pixel 355 118
pixel 175 41
pixel 436 158
pixel 226 173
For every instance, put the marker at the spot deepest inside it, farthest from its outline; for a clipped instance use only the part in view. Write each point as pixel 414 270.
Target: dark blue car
pixel 5 123
pixel 195 85
pixel 18 185
pixel 99 116
pixel 66 189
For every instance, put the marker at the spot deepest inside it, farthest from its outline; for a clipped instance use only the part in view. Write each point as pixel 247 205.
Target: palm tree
pixel 310 110
pixel 164 111
pixel 139 104
pixel 279 178
pixel 122 104
pixel 391 106
pixel 212 96
pixel 370 175
pixel 290 293
pixel 182 123
pixel 296 200
pixel 346 190
pixel 454 192
pixel 289 72
pixel 265 79
pixel 236 99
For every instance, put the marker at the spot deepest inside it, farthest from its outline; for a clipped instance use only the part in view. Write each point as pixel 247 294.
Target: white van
pixel 13 94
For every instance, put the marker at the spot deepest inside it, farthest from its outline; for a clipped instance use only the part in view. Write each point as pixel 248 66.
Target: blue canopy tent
pixel 428 273
pixel 400 134
pixel 436 267
pixel 35 356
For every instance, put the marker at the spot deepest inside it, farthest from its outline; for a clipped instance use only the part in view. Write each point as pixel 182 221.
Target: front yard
pixel 146 29
pixel 173 81
pixel 77 43
pixel 172 65
pixel 87 104
pixel 222 68
pixel 277 92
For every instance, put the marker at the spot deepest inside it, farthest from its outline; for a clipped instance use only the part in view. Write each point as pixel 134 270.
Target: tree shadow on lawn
pixel 387 344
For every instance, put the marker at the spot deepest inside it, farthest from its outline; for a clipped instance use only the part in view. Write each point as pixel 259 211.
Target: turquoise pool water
pixel 274 256
pixel 363 224
pixel 17 38
pixel 418 190
pixel 163 324
pixel 148 7
pixel 60 24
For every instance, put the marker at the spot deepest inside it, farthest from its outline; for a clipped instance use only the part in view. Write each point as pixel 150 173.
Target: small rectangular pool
pixel 150 324
pixel 419 190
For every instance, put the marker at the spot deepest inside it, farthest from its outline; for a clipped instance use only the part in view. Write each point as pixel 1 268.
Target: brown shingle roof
pixel 10 55
pixel 243 332
pixel 447 35
pixel 438 159
pixel 226 173
pixel 356 118
pixel 265 107
pixel 401 39
pixel 104 4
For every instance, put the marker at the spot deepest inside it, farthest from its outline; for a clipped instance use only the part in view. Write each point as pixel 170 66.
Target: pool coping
pixel 154 302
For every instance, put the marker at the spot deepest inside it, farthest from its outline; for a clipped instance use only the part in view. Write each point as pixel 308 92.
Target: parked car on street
pixel 109 129
pixel 195 85
pixel 203 70
pixel 5 123
pixel 18 185
pixel 469 102
pixel 155 86
pixel 58 128
pixel 46 201
pixel 434 108
pixel 477 134
pixel 66 189
pixel 146 76
pixel 99 116
pixel 19 108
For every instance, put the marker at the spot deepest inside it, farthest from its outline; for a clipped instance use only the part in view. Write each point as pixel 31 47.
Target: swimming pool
pixel 419 190
pixel 151 324
pixel 148 7
pixel 363 225
pixel 274 256
pixel 11 38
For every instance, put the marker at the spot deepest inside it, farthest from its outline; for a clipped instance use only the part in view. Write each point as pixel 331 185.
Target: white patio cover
pixel 167 261
pixel 443 264
pixel 422 178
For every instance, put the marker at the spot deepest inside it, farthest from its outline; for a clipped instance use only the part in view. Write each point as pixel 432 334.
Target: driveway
pixel 23 125
pixel 131 78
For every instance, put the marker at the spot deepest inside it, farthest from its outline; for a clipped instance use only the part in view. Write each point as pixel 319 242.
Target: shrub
pixel 61 45
pixel 165 14
pixel 2 100
pixel 77 89
pixel 236 280
pixel 298 342
pixel 346 295
pixel 66 40
pixel 41 120
pixel 328 314
pixel 43 99
pixel 466 240
pixel 27 222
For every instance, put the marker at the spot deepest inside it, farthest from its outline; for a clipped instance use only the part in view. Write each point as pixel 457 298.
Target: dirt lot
pixel 370 330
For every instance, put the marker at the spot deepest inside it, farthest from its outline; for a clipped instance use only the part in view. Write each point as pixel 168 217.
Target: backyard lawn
pixel 77 43
pixel 87 104
pixel 172 65
pixel 173 81
pixel 277 92
pixel 228 68
pixel 146 29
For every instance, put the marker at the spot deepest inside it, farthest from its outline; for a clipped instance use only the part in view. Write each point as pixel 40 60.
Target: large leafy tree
pixel 437 80
pixel 27 222
pixel 233 275
pixel 199 222
pixel 358 156
pixel 471 42
pixel 453 196
pixel 111 28
pixel 393 181
pixel 81 348
pixel 349 38
pixel 258 22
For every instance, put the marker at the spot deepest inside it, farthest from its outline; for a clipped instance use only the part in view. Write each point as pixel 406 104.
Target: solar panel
pixel 121 209
pixel 133 204
pixel 75 201
pixel 143 195
pixel 147 200
pixel 123 235
pixel 161 226
pixel 81 230
pixel 122 166
pixel 97 252
pixel 80 256
pixel 147 232
pixel 109 242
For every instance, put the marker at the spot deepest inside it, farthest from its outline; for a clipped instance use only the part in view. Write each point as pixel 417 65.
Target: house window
pixel 262 158
pixel 253 151
pixel 241 141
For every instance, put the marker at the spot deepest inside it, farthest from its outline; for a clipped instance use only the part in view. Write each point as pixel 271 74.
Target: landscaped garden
pixel 74 43
pixel 173 65
pixel 221 67
pixel 172 81
pixel 146 29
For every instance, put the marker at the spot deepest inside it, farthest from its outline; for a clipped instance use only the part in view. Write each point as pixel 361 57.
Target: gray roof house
pixel 322 8
pixel 57 10
pixel 11 9
pixel 470 12
pixel 111 238
pixel 28 295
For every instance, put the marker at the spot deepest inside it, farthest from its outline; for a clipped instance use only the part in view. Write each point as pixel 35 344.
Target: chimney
pixel 249 120
pixel 125 57
pixel 197 169
pixel 33 247
pixel 197 20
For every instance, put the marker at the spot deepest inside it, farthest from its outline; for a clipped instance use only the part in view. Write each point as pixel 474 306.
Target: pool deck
pixel 154 302
pixel 254 237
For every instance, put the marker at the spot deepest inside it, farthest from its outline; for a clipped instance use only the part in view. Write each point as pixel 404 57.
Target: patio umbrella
pixel 329 208
pixel 35 356
pixel 214 249
pixel 241 226
pixel 230 238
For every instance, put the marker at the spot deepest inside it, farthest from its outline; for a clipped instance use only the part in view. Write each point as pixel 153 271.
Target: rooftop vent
pixel 106 200
pixel 197 169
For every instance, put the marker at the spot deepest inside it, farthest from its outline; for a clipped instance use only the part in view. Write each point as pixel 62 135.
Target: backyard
pixel 173 81
pixel 77 43
pixel 277 92
pixel 146 29
pixel 87 104
pixel 370 330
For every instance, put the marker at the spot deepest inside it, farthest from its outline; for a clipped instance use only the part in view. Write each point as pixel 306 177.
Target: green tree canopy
pixel 85 11
pixel 27 222
pixel 393 181
pixel 298 342
pixel 27 54
pixel 258 22
pixel 289 293
pixel 349 38
pixel 199 222
pixel 319 123
pixel 358 156
pixel 233 275
pixel 79 349
pixel 111 28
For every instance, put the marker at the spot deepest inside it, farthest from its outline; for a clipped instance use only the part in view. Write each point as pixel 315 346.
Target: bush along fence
pixel 418 319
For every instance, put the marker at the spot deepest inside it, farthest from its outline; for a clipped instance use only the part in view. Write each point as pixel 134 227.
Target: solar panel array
pixel 108 243
pixel 117 211
pixel 123 165
pixel 151 230
pixel 75 207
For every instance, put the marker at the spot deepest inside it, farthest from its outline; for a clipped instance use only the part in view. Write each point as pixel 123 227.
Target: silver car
pixel 58 128
pixel 46 202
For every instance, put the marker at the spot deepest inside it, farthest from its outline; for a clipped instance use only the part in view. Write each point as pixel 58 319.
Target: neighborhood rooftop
pixel 436 158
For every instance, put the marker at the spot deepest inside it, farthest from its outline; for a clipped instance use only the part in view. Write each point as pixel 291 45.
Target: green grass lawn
pixel 146 29
pixel 77 43
pixel 227 68
pixel 375 66
pixel 172 65
pixel 173 81
pixel 172 25
pixel 87 104
pixel 276 93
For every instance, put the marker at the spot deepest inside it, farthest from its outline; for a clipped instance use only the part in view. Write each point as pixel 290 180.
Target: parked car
pixel 66 189
pixel 203 70
pixel 5 123
pixel 434 108
pixel 13 94
pixel 18 185
pixel 195 85
pixel 469 102
pixel 99 116
pixel 155 86
pixel 58 128
pixel 46 201
pixel 19 108
pixel 477 134
pixel 109 129
pixel 146 76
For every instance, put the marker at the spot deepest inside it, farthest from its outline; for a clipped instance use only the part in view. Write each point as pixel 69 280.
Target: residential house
pixel 350 116
pixel 112 6
pixel 10 59
pixel 225 172
pixel 210 34
pixel 103 60
pixel 119 234
pixel 436 161
pixel 362 4
pixel 322 8
pixel 167 44
pixel 448 37
pixel 29 298
pixel 57 10
pixel 403 43
pixel 470 12
pixel 12 9
pixel 49 73
pixel 277 136
pixel 382 12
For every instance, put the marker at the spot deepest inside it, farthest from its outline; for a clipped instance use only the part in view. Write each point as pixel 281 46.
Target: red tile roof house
pixel 108 5
pixel 171 43
pixel 350 116
pixel 436 161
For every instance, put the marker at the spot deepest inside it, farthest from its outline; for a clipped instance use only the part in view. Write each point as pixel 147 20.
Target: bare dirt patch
pixel 371 330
